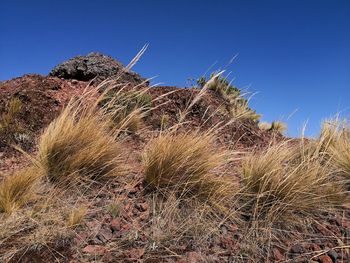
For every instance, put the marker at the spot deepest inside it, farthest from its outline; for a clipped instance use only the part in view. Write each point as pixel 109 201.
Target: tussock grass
pixel 278 126
pixel 265 126
pixel 275 126
pixel 8 122
pixel 286 180
pixel 177 221
pixel 80 144
pixel 335 139
pixel 76 216
pixel 40 225
pixel 126 107
pixel 18 189
pixel 238 107
pixel 185 162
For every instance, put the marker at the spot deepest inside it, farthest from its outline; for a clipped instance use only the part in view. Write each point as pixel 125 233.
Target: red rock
pixel 325 259
pixel 94 249
pixel 126 227
pixel 136 253
pixel 80 239
pixel 314 247
pixel 277 255
pixel 105 234
pixel 132 192
pixel 142 207
pixel 93 225
pixel 135 212
pixel 345 223
pixel 115 225
pixel 297 249
pixel 143 238
pixel 144 216
pixel 193 257
pixel 128 207
pixel 233 227
pixel 227 243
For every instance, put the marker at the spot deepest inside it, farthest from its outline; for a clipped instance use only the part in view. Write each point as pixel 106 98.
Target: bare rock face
pixel 95 65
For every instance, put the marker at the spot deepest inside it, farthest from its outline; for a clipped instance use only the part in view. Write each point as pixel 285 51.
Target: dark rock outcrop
pixel 95 65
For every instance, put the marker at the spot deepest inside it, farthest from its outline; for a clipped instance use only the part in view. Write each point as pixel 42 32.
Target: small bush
pixel 79 143
pixel 286 180
pixel 18 189
pixel 185 162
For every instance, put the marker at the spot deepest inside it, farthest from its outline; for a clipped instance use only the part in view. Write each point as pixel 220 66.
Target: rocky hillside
pixel 296 211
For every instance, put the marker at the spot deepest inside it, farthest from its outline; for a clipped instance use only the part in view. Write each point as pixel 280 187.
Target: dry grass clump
pixel 185 162
pixel 40 225
pixel 79 143
pixel 127 108
pixel 265 126
pixel 278 126
pixel 76 216
pixel 18 189
pixel 286 180
pixel 238 107
pixel 275 126
pixel 177 222
pixel 335 138
pixel 8 122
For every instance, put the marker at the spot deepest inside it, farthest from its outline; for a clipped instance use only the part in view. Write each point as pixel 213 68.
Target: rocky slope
pixel 127 237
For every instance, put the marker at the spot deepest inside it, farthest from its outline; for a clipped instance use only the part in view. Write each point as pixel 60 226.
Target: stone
pixel 105 235
pixel 144 216
pixel 314 247
pixel 115 225
pixel 136 253
pixel 95 66
pixel 226 242
pixel 297 249
pixel 142 207
pixel 333 255
pixel 325 259
pixel 193 257
pixel 132 192
pixel 277 255
pixel 94 249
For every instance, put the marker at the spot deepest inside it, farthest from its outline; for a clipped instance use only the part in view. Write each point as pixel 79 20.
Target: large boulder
pixel 95 65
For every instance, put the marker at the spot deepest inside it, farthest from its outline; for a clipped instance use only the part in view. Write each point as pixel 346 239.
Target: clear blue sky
pixel 296 54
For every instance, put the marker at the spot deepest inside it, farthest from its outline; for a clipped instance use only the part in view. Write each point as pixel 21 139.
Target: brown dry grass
pixel 37 226
pixel 287 180
pixel 178 221
pixel 186 162
pixel 265 126
pixel 335 138
pixel 18 189
pixel 125 106
pixel 8 123
pixel 79 143
pixel 278 126
pixel 76 216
